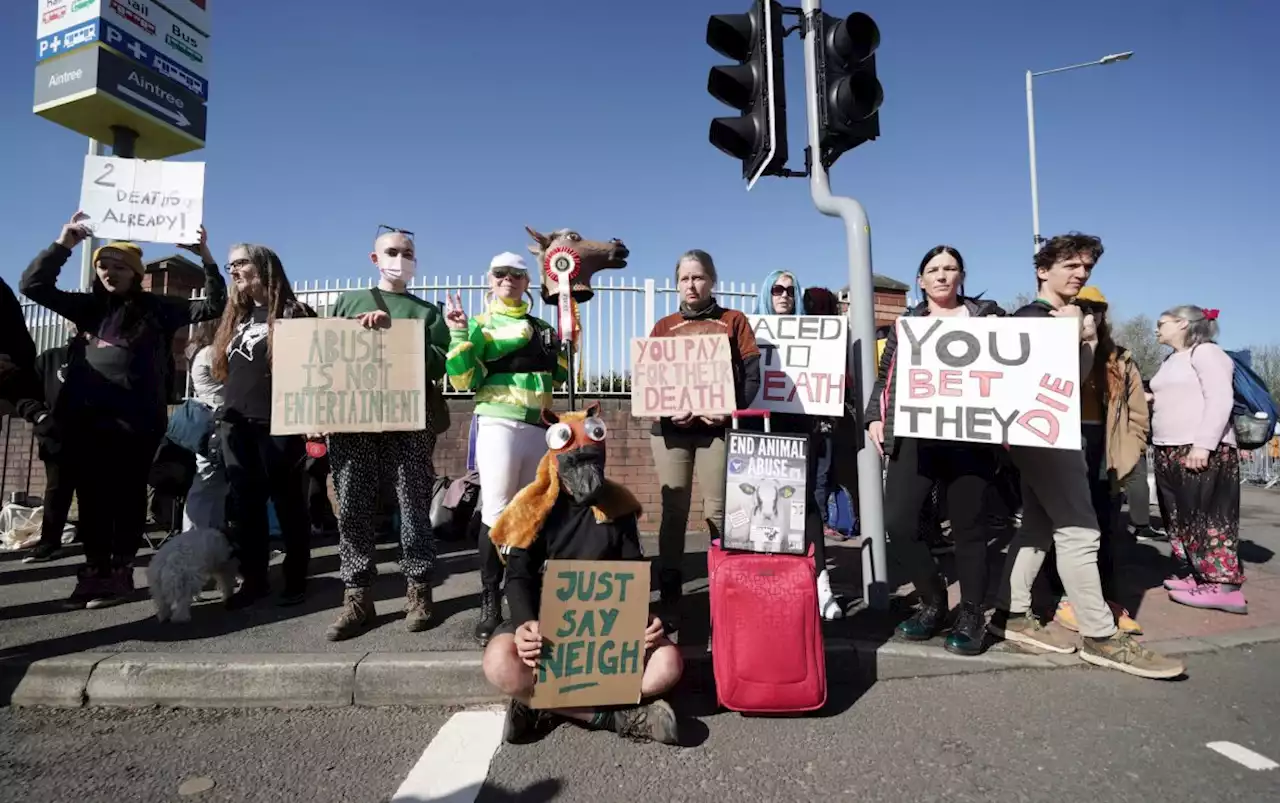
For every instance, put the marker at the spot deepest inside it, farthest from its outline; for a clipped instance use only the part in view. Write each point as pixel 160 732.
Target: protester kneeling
pixel 571 512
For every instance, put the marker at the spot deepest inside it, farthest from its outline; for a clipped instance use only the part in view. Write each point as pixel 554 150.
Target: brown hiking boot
pixel 655 722
pixel 417 608
pixel 1123 652
pixel 357 615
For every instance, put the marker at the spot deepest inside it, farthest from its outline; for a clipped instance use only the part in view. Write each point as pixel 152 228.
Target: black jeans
pixel 964 471
pixel 261 467
pixel 107 466
pixel 58 491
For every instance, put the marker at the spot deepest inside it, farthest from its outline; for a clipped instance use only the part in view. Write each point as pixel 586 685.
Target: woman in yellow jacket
pixel 1115 422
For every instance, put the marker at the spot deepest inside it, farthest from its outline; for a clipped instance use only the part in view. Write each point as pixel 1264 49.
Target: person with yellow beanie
pixel 113 410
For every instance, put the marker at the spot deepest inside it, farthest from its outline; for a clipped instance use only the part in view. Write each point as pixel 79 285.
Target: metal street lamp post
pixel 1031 134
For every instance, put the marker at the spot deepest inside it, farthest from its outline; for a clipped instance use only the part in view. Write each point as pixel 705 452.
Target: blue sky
pixel 327 118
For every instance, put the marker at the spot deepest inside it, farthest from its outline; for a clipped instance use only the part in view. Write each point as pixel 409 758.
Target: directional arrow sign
pixel 92 88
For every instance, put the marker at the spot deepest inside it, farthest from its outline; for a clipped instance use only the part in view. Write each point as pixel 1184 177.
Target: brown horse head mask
pixel 565 252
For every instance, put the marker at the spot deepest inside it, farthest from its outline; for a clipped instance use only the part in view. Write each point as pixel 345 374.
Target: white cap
pixel 508 259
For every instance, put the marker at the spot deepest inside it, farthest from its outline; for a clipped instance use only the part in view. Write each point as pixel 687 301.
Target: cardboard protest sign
pixel 142 200
pixel 592 619
pixel 1014 381
pixel 765 493
pixel 675 375
pixel 333 375
pixel 803 362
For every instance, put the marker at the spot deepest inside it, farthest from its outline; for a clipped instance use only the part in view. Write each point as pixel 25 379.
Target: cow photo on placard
pixel 765 493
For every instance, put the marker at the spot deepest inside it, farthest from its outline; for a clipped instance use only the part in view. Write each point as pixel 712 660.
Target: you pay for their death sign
pixel 143 200
pixel 687 374
pixel 1009 381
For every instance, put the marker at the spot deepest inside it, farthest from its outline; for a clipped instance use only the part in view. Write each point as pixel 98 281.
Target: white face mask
pixel 398 268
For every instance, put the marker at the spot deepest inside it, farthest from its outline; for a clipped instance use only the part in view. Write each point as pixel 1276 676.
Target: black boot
pixel 490 613
pixel 928 618
pixel 490 586
pixel 969 631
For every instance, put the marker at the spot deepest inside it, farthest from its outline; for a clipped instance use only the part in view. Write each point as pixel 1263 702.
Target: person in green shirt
pixel 512 360
pixel 358 459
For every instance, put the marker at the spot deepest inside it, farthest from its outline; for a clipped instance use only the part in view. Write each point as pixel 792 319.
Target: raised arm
pixel 39 281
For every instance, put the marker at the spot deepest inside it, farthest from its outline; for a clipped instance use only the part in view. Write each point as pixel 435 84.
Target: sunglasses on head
pixel 384 229
pixel 781 290
pixel 508 273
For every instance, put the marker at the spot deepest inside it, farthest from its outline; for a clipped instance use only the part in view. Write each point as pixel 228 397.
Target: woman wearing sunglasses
pixel 512 360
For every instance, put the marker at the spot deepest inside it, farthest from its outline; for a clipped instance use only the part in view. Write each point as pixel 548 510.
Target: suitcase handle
pixel 767 415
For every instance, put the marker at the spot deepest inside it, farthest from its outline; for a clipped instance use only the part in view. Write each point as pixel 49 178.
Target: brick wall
pixel 20 467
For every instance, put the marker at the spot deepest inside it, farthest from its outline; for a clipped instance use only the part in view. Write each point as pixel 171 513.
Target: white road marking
pixel 454 766
pixel 1242 755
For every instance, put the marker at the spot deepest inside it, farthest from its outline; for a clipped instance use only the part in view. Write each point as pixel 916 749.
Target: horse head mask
pixel 565 255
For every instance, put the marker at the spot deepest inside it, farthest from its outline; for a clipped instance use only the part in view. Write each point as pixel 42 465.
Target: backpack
pixel 1254 414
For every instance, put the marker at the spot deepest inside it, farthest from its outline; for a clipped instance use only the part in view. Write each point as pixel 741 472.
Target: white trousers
pixel 507 456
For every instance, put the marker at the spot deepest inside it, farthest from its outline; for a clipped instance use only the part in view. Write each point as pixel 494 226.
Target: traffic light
pixel 753 86
pixel 849 94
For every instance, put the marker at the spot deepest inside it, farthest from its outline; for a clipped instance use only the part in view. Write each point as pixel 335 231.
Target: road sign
pixel 195 12
pixel 93 88
pixel 101 30
pixel 57 15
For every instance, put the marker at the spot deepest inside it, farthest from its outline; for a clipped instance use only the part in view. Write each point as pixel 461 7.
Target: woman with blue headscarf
pixel 781 294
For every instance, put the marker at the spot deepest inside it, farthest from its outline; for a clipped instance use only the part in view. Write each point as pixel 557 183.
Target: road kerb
pixel 187 680
pixel 57 682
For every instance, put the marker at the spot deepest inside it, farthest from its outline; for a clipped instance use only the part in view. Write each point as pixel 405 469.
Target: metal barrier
pixel 622 309
pixel 1259 466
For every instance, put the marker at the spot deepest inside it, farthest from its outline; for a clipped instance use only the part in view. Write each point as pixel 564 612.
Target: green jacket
pixel 402 306
pixel 511 360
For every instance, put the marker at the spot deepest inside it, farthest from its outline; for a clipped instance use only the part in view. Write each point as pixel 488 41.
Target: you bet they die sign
pixel 1009 381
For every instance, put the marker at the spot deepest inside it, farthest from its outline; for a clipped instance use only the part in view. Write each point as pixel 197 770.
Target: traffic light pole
pixel 862 324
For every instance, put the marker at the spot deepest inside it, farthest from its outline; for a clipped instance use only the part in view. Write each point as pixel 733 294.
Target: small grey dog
pixel 181 568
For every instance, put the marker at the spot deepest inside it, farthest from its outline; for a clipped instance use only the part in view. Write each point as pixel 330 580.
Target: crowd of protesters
pixel 98 405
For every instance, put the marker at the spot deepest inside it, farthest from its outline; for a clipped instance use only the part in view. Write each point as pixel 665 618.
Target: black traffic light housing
pixel 754 85
pixel 849 94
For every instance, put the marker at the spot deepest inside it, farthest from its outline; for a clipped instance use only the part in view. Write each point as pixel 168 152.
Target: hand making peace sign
pixel 455 317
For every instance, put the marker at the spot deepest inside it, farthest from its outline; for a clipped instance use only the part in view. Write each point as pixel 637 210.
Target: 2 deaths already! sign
pixel 592 619
pixel 675 375
pixel 143 201
pixel 333 375
pixel 802 363
pixel 989 380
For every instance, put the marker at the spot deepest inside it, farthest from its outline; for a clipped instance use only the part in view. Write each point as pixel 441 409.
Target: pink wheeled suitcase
pixel 766 635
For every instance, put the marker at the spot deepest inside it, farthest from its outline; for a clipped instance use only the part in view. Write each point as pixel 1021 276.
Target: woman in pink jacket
pixel 1197 463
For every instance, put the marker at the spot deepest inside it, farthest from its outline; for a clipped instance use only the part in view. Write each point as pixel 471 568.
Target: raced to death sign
pixel 592 620
pixel 333 375
pixel 802 363
pixel 1009 381
pixel 143 201
pixel 671 376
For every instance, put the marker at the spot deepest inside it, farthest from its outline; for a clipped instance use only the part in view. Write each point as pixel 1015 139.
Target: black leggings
pixel 964 471
pixel 108 466
pixel 261 466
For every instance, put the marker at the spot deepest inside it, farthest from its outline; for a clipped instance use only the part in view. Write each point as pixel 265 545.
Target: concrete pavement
pixel 1076 734
pixel 270 656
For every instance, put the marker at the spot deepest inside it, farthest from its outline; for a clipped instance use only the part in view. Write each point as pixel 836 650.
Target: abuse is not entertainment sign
pixel 1012 381
pixel 333 375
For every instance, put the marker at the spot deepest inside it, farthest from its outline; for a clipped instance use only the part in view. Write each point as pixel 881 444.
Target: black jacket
pixel 50 373
pixel 978 308
pixel 119 366
pixel 570 532
pixel 17 351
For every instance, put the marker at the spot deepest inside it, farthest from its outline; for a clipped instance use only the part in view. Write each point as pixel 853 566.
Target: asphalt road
pixel 1069 734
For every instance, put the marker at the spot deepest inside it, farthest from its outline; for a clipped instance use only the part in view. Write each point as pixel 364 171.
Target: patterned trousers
pixel 357 461
pixel 1203 510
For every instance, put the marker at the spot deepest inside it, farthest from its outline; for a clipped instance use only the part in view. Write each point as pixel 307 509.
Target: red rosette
pixel 563 262
pixel 316 449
